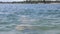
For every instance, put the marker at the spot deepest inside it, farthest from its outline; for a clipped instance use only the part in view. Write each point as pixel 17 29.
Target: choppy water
pixel 47 16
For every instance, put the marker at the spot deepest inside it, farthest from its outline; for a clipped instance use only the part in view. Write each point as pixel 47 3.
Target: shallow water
pixel 47 16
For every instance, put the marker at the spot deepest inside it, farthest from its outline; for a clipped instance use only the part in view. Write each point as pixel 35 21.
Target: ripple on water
pixel 45 15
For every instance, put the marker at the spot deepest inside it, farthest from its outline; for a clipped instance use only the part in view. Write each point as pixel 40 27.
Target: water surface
pixel 47 16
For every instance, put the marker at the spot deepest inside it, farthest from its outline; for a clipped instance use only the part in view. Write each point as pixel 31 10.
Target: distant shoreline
pixel 30 2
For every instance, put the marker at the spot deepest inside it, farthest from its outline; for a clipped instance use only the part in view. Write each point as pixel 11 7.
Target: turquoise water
pixel 46 16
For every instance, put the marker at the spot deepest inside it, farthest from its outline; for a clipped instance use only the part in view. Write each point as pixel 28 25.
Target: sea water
pixel 46 16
